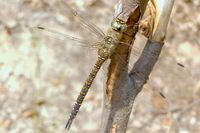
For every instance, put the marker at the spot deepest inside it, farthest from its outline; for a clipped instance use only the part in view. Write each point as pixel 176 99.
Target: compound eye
pixel 122 28
pixel 118 25
pixel 119 28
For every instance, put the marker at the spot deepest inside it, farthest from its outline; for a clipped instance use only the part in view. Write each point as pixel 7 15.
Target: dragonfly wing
pixel 64 37
pixel 136 52
pixel 84 21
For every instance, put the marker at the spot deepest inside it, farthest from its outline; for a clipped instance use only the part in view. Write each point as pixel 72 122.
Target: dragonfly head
pixel 118 25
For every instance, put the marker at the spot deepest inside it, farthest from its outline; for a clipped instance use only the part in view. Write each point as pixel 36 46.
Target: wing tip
pixel 40 27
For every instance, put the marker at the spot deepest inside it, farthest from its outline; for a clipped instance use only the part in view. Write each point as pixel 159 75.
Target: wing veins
pixel 86 22
pixel 66 36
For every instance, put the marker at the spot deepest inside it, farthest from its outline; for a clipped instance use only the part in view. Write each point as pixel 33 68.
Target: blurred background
pixel 41 75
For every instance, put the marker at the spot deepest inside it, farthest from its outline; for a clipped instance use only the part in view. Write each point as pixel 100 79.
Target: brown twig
pixel 118 95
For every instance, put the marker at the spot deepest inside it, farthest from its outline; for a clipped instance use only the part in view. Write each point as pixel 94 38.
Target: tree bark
pixel 121 87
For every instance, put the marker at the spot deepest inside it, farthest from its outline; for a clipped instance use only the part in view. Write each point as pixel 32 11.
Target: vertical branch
pixel 145 64
pixel 118 95
pixel 163 12
pixel 122 88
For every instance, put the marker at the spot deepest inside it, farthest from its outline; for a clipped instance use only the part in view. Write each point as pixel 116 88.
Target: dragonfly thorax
pixel 108 47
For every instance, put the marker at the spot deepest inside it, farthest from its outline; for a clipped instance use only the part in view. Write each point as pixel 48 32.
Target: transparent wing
pixel 96 30
pixel 136 52
pixel 64 37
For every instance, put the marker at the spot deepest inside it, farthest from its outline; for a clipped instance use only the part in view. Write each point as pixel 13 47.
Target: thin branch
pixel 163 8
pixel 122 87
pixel 118 95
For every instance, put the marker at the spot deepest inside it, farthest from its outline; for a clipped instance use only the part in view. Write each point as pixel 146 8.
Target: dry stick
pixel 122 88
pixel 144 66
pixel 117 95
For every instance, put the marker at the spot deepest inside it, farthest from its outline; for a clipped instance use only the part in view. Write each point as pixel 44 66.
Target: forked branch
pixel 122 87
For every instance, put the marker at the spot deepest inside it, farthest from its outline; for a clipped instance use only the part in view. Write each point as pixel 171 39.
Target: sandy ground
pixel 41 75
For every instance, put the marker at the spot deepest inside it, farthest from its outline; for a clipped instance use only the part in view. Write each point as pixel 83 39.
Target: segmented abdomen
pixel 85 89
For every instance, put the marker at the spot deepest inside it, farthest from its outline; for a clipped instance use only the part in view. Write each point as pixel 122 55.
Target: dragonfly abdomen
pixel 84 90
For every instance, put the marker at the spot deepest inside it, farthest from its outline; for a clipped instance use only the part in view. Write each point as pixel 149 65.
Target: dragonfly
pixel 105 49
